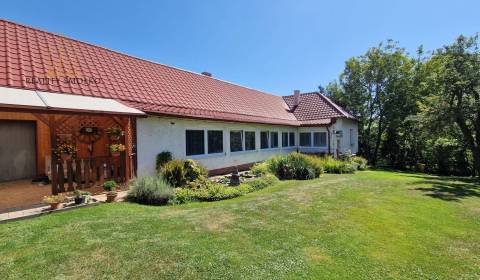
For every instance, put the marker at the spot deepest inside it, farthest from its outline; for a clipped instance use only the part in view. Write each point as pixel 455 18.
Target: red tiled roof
pixel 315 108
pixel 28 54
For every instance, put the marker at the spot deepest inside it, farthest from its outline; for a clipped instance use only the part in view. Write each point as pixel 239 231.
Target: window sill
pixel 271 149
pixel 243 152
pixel 206 156
pixel 313 147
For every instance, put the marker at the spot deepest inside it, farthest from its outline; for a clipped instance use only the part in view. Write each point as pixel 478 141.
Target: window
pixel 284 139
pixel 236 140
pixel 305 139
pixel 292 139
pixel 249 140
pixel 273 139
pixel 264 140
pixel 215 141
pixel 195 142
pixel 320 139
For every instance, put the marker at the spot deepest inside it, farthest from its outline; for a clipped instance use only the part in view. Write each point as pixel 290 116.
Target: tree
pixel 454 90
pixel 372 87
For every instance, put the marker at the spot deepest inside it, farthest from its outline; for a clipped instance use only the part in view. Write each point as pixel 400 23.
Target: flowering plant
pixel 117 148
pixel 65 149
pixel 114 131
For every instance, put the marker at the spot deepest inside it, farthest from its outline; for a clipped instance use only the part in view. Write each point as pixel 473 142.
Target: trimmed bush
pixel 179 173
pixel 332 165
pixel 203 189
pixel 151 190
pixel 162 159
pixel 262 182
pixel 260 169
pixel 295 166
pixel 362 163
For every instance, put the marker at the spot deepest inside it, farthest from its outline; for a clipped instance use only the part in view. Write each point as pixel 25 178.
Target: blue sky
pixel 275 46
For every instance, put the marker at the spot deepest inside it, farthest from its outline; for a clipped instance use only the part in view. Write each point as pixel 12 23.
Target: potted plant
pixel 116 149
pixel 65 151
pixel 110 187
pixel 55 201
pixel 81 197
pixel 114 133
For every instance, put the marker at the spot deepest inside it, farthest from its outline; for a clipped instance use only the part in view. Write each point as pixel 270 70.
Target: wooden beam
pixel 44 119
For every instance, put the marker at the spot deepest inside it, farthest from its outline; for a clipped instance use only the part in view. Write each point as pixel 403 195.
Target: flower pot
pixel 115 154
pixel 66 157
pixel 55 205
pixel 111 196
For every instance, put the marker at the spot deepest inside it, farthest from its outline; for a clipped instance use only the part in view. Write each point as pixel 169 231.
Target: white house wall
pixel 349 138
pixel 157 134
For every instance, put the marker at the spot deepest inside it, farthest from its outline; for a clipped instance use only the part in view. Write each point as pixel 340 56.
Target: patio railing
pixel 81 173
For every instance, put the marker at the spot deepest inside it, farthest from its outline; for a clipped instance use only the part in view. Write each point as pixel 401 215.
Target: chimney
pixel 296 98
pixel 208 74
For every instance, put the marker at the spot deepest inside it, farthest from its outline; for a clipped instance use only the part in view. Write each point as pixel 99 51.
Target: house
pixel 59 91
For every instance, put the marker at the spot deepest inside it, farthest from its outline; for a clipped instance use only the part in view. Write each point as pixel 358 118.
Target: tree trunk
pixel 476 161
pixel 379 138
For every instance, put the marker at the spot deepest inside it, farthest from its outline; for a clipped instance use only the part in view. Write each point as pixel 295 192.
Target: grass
pixel 369 225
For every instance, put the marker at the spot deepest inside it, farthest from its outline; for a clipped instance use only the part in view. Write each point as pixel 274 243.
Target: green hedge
pixel 295 166
pixel 205 190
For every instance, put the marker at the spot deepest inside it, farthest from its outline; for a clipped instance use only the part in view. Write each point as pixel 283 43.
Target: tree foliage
pixel 416 109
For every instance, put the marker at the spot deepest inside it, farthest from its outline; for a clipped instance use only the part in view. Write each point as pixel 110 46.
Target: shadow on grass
pixel 449 188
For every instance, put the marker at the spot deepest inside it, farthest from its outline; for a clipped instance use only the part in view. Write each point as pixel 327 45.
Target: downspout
pixel 328 139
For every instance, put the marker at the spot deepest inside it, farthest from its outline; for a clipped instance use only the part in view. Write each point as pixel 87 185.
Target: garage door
pixel 17 150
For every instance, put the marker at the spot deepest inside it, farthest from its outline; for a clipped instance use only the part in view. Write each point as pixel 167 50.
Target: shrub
pixel 262 182
pixel 194 170
pixel 260 169
pixel 152 190
pixel 110 186
pixel 163 158
pixel 332 165
pixel 295 166
pixel 203 189
pixel 210 192
pixel 179 172
pixel 362 163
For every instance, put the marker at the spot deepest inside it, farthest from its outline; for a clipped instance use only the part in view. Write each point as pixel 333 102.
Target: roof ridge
pixel 134 57
pixel 335 106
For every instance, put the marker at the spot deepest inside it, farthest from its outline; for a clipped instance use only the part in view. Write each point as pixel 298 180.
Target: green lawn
pixel 370 225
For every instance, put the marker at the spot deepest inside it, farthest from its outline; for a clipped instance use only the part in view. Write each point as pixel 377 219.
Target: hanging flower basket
pixel 65 151
pixel 114 133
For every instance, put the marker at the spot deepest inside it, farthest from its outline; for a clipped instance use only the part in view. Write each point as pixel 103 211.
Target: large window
pixel 249 140
pixel 195 142
pixel 284 139
pixel 292 139
pixel 264 140
pixel 273 139
pixel 236 140
pixel 305 139
pixel 320 139
pixel 215 141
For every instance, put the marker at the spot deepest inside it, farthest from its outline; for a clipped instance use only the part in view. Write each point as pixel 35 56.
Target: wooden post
pixel 53 144
pixel 128 150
